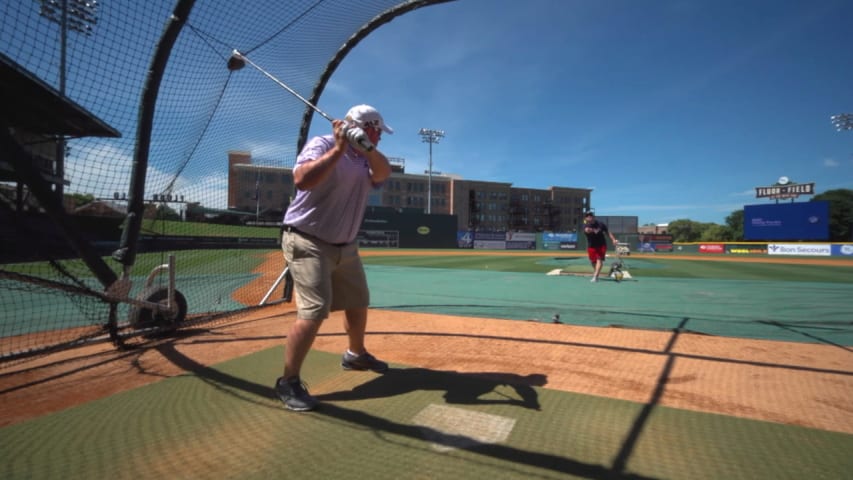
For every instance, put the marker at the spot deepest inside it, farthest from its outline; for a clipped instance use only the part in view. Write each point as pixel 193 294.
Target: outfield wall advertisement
pixel 650 243
pixel 651 247
pixel 811 249
pixel 490 240
pixel 746 249
pixel 520 241
pixel 786 221
pixel 560 241
pixel 801 249
pixel 406 228
pixel 504 240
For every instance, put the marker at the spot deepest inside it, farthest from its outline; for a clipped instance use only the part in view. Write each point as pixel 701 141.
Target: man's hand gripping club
pixel 358 139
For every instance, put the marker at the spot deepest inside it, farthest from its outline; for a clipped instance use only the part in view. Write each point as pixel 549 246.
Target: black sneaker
pixel 365 361
pixel 294 394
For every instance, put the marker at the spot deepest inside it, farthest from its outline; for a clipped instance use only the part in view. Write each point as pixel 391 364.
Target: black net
pixel 203 201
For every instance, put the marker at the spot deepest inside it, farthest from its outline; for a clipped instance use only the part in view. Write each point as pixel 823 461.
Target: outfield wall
pixel 819 249
pixel 382 227
pixel 404 228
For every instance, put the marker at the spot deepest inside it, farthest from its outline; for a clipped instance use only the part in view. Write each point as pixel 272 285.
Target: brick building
pixel 478 205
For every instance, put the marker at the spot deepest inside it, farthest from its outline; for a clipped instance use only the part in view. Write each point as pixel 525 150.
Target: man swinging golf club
pixel 333 176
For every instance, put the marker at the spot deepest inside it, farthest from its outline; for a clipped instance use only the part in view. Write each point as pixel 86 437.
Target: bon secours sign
pixel 814 249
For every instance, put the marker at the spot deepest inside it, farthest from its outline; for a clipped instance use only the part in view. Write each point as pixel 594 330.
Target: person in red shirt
pixel 596 243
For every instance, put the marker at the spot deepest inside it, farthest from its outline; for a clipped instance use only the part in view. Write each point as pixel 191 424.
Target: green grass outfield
pixel 203 229
pixel 189 262
pixel 207 279
pixel 658 265
pixel 788 302
pixel 506 284
pixel 196 262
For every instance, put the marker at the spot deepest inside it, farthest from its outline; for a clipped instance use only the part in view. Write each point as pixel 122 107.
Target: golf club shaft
pixel 282 84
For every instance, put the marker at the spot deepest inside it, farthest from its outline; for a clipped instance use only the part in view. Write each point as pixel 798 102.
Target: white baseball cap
pixel 365 115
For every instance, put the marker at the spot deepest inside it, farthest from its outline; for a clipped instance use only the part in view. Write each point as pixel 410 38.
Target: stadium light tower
pixel 842 121
pixel 78 16
pixel 430 136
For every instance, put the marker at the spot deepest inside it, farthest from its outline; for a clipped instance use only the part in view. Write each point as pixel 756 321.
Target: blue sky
pixel 667 109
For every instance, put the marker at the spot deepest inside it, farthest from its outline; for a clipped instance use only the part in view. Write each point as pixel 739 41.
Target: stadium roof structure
pixel 31 104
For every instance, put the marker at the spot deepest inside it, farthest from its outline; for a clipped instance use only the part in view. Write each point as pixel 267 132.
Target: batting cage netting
pixel 138 190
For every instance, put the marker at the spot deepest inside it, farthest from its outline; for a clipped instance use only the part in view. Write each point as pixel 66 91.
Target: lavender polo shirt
pixel 333 210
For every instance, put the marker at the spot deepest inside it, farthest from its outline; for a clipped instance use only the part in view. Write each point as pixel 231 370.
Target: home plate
pixel 449 428
pixel 560 271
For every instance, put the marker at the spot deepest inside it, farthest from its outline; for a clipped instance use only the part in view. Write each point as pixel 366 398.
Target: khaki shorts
pixel 325 277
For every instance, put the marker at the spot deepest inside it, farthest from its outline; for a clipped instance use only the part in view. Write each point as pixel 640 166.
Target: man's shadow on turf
pixel 460 387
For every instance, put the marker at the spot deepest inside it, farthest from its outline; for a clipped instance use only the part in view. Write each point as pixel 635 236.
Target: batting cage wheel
pixel 159 322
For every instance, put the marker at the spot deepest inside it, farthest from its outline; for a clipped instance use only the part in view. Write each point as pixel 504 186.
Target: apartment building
pixel 478 205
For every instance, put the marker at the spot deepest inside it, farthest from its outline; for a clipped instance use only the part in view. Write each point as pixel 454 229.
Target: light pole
pixel 842 121
pixel 430 136
pixel 78 16
pixel 257 194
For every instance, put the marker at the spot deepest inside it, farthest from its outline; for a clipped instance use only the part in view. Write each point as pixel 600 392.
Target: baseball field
pixel 694 367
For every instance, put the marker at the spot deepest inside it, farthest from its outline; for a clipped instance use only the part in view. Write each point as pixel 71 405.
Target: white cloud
pixel 103 167
pixel 98 167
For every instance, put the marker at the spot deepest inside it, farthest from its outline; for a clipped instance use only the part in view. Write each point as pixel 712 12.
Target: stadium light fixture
pixel 430 136
pixel 76 15
pixel 842 121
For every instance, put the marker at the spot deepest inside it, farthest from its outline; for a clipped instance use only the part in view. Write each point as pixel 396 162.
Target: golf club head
pixel 236 61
